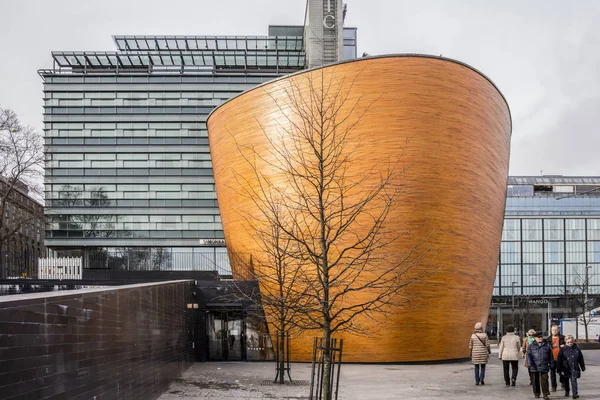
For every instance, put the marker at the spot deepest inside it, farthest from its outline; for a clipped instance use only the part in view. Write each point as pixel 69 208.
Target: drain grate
pixel 287 383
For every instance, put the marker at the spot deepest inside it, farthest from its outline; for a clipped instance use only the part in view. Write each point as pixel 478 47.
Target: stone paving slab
pixel 236 380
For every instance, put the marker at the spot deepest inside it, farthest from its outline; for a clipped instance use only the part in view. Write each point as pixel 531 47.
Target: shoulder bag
pixel 488 349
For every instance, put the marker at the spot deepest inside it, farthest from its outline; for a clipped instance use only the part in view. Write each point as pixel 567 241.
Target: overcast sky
pixel 544 55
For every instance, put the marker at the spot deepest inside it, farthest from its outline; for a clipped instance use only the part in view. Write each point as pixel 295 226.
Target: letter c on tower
pixel 332 22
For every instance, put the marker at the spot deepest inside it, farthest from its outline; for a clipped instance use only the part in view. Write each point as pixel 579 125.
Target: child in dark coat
pixel 570 364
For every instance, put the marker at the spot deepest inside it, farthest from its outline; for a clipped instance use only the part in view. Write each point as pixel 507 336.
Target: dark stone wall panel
pixel 126 342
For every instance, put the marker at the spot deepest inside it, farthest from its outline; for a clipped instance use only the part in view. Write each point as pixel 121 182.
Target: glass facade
pixel 350 43
pixel 551 236
pixel 129 181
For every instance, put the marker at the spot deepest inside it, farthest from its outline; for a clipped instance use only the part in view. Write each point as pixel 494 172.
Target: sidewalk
pixel 233 381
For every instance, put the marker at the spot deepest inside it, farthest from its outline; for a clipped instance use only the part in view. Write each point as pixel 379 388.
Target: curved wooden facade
pixel 453 128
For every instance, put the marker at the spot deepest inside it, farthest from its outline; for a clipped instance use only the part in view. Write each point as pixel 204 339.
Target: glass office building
pixel 128 172
pixel 550 246
pixel 129 181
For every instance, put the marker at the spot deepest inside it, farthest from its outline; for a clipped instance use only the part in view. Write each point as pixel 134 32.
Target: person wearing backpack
pixel 480 351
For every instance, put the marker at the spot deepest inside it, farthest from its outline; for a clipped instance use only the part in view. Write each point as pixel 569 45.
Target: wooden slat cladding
pixel 453 129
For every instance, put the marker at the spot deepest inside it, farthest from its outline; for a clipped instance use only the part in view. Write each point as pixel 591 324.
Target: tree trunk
pixel 576 325
pixel 2 260
pixel 327 395
pixel 281 360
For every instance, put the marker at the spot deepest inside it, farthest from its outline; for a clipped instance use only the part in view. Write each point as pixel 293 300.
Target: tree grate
pixel 287 383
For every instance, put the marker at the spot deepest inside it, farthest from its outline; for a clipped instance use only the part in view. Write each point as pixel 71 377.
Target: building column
pixel 2 259
pixel 549 316
pixel 86 258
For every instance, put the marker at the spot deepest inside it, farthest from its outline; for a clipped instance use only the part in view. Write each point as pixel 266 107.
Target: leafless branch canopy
pixel 21 165
pixel 579 292
pixel 321 228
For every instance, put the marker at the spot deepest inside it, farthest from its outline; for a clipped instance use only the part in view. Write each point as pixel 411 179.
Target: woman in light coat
pixel 480 351
pixel 510 347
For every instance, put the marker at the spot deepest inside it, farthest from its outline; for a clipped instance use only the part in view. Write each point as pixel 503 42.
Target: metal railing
pixel 60 268
pixel 319 360
pixel 132 259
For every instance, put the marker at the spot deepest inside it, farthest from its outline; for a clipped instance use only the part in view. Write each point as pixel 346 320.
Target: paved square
pixel 234 380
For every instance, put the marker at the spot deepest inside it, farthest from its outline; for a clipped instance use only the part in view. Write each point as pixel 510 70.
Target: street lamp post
pixel 513 301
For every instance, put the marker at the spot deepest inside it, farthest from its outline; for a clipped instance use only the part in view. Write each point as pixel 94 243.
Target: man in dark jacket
pixel 570 365
pixel 556 341
pixel 539 360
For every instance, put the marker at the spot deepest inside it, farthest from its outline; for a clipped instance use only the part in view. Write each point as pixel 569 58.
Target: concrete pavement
pixel 233 381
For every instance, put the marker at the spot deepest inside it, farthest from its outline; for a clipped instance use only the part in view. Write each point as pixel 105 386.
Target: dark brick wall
pixel 126 342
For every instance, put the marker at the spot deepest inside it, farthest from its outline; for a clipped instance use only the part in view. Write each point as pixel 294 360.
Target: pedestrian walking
pixel 527 340
pixel 570 365
pixel 539 358
pixel 480 352
pixel 509 354
pixel 556 340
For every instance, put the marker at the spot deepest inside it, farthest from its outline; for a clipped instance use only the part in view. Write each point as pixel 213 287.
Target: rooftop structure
pixel 555 180
pixel 181 54
pixel 553 195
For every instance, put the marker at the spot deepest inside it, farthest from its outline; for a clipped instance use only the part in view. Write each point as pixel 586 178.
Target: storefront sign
pixel 212 242
pixel 538 301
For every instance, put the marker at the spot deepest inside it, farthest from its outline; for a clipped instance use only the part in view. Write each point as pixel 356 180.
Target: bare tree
pixel 579 293
pixel 99 225
pixel 90 225
pixel 21 166
pixel 522 313
pixel 276 267
pixel 139 258
pixel 331 214
pixel 161 259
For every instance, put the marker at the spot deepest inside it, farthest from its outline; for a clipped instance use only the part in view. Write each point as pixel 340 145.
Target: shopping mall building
pixel 550 249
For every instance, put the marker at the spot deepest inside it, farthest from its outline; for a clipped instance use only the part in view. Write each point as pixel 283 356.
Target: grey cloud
pixel 543 54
